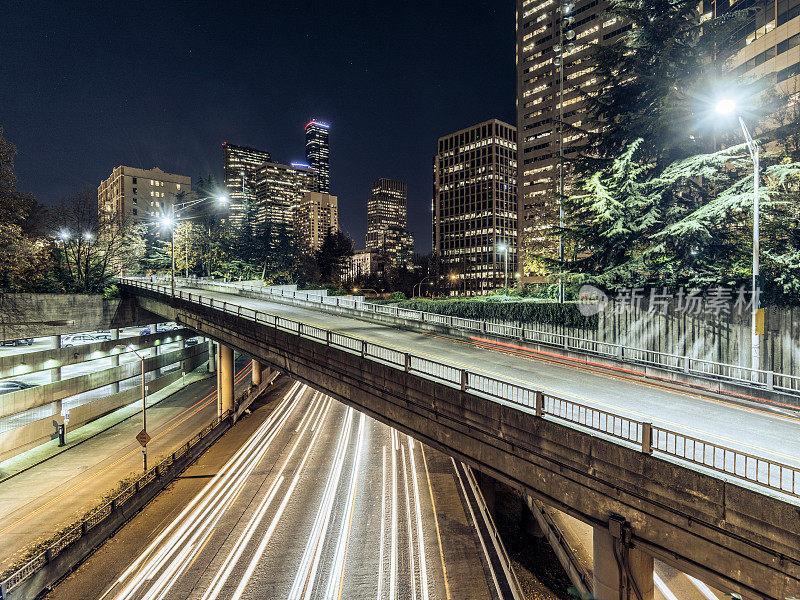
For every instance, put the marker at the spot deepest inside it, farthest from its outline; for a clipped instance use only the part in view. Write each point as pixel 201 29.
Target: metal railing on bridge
pixel 762 472
pixel 676 363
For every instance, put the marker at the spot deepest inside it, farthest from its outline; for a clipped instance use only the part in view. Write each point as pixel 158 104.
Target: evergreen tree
pixel 689 225
pixel 333 255
pixel 652 79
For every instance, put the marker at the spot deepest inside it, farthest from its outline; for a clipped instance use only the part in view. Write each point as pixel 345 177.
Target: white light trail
pixel 704 589
pixel 336 580
pixel 306 574
pixel 663 587
pixel 383 522
pixel 227 567
pixel 423 567
pixel 393 553
pixel 275 520
pixel 212 500
pixel 410 527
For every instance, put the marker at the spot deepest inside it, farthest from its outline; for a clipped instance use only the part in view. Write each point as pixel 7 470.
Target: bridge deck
pixel 694 413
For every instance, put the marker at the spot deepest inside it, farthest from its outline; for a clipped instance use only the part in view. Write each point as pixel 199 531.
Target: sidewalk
pixel 39 498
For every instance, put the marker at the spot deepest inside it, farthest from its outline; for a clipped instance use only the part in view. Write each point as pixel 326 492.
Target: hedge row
pixel 550 313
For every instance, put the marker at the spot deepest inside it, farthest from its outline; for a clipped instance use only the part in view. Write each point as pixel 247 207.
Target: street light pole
pixel 144 412
pixel 144 404
pixel 727 106
pixel 172 220
pixel 753 148
pixel 172 229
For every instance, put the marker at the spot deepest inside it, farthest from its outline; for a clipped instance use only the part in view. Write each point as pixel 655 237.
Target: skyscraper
pixel 240 164
pixel 315 216
pixel 317 153
pixel 767 43
pixel 386 222
pixel 278 191
pixel 546 95
pixel 475 205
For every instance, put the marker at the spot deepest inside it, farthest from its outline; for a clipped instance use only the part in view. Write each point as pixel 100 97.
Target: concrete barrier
pixel 23 400
pixel 18 440
pixel 24 363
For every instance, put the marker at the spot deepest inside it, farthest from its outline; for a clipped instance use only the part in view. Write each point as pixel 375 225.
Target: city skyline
pixel 200 93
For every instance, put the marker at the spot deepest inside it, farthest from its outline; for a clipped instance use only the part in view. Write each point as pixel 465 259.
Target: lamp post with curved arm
pixel 171 220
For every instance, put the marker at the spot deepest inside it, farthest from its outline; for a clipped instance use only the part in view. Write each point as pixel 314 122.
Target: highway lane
pixel 46 498
pixel 309 500
pixel 704 416
pixel 319 502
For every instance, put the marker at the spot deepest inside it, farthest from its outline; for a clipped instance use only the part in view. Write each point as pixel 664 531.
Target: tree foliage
pixel 689 224
pixel 658 80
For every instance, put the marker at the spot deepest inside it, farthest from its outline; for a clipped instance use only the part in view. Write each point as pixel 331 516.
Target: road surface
pixel 319 502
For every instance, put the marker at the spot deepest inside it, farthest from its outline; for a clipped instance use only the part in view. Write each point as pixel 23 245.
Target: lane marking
pixel 383 522
pixel 436 521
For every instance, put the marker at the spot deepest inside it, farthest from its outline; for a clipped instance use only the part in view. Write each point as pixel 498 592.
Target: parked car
pixel 19 342
pixel 160 328
pixel 192 342
pixel 77 339
pixel 6 387
pixel 103 334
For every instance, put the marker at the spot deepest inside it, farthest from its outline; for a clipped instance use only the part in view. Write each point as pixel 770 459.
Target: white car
pixel 77 339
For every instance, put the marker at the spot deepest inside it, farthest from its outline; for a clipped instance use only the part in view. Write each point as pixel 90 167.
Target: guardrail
pixel 726 372
pixel 646 437
pixel 102 512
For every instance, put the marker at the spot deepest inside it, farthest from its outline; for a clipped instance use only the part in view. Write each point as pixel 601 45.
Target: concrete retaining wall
pixel 18 440
pixel 22 400
pixel 27 315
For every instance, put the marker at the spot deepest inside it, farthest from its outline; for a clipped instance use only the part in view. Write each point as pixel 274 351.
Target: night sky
pixel 87 86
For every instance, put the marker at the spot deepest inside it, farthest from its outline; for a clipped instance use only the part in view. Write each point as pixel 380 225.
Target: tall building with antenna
pixel 318 153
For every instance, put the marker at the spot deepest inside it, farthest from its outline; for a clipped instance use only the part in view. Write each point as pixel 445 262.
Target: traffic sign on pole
pixel 143 438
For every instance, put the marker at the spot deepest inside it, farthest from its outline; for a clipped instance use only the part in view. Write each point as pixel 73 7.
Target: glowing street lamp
pixel 504 249
pixel 727 106
pixel 169 222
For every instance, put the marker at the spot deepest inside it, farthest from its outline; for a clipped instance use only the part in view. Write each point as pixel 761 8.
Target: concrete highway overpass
pixel 704 485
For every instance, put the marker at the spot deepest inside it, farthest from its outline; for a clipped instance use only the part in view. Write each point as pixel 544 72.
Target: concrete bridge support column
pixel 225 379
pixel 611 577
pixel 115 361
pixel 55 372
pixel 212 357
pixel 258 370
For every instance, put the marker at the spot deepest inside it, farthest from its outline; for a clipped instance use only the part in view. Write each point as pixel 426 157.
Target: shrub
pixel 506 308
